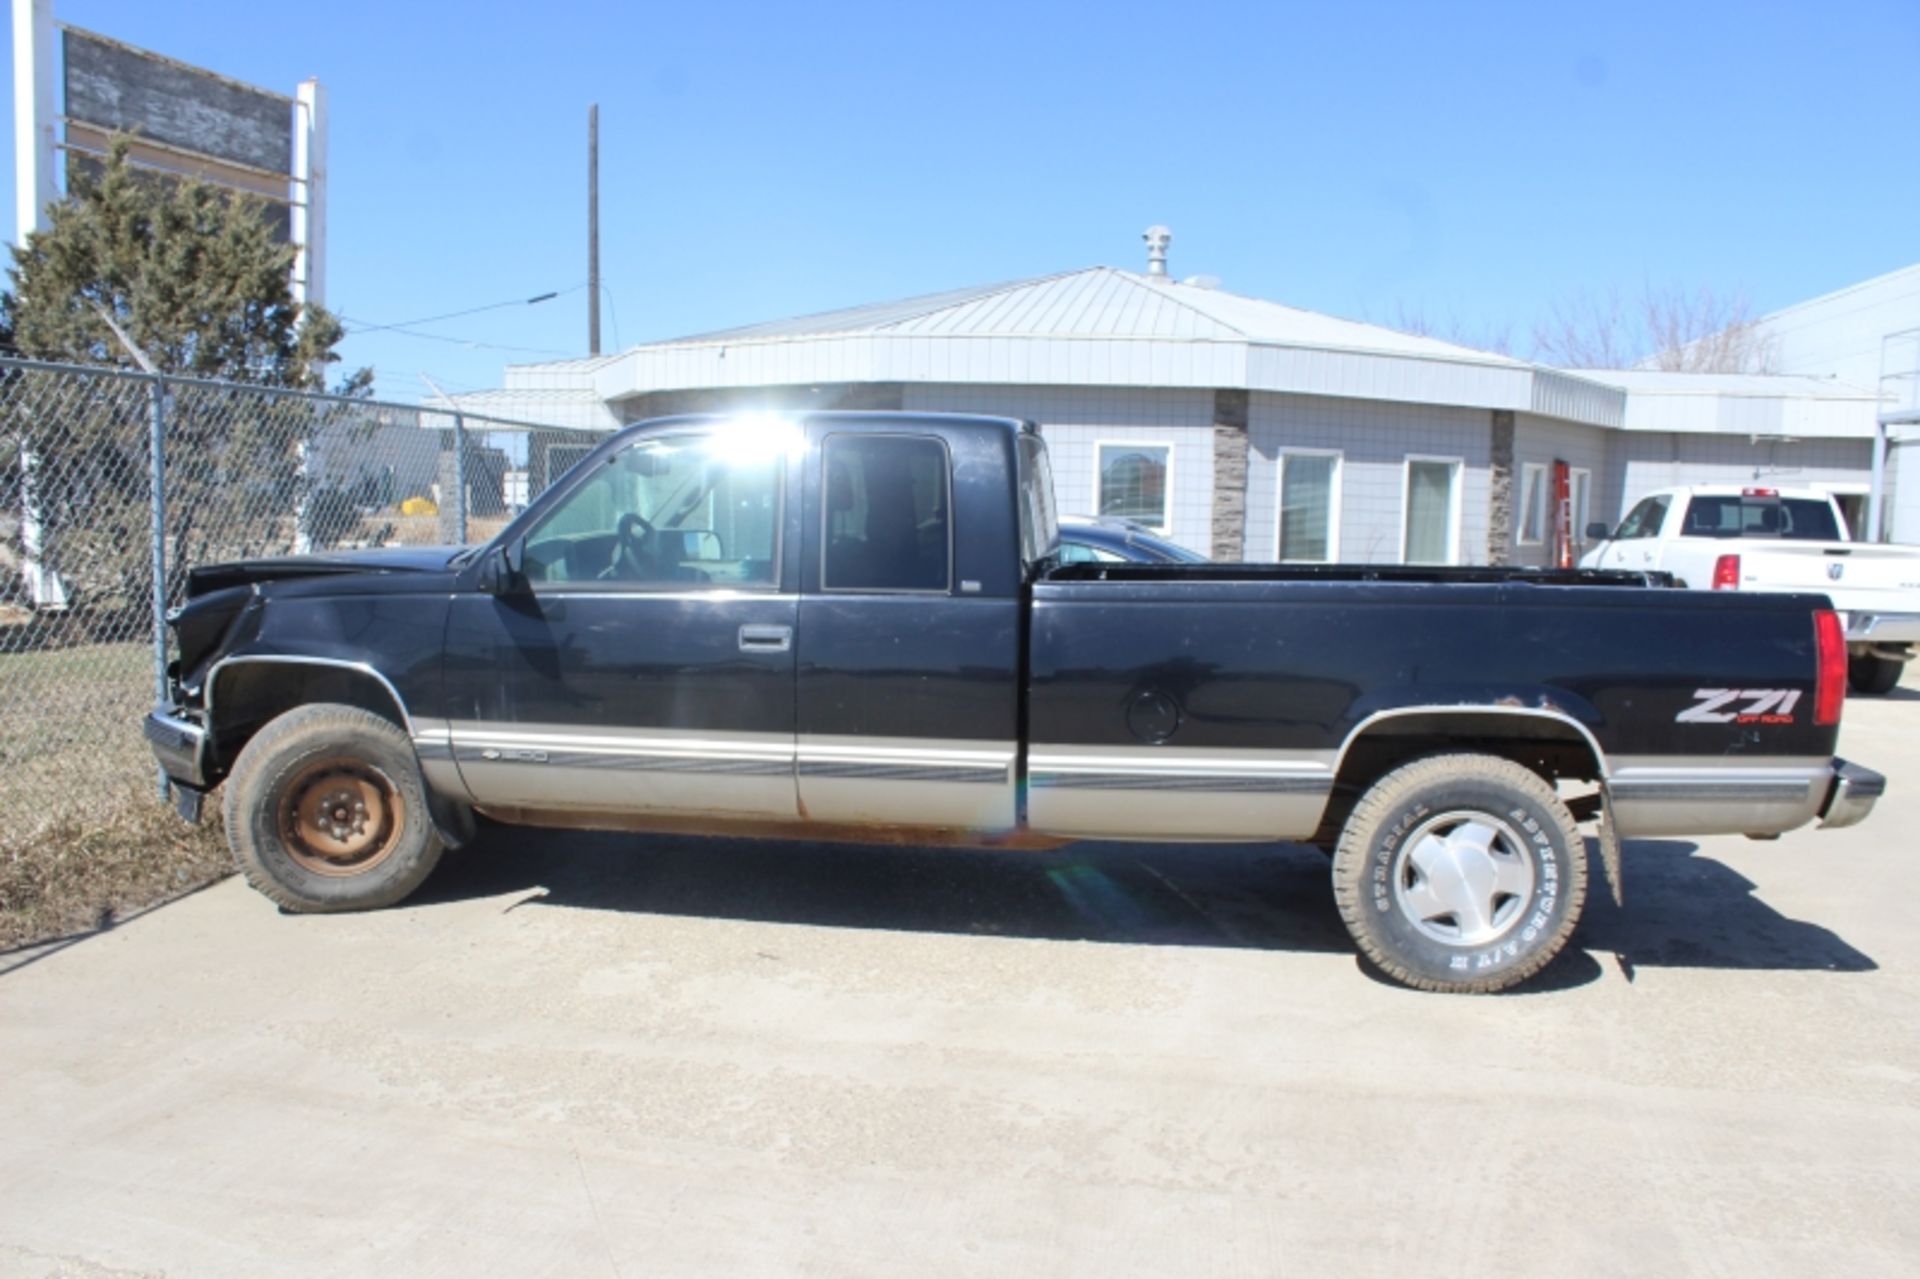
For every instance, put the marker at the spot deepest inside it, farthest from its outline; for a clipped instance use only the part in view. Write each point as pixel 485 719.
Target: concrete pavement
pixel 586 1055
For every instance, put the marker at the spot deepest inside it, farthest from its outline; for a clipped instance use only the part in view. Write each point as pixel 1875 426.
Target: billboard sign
pixel 183 120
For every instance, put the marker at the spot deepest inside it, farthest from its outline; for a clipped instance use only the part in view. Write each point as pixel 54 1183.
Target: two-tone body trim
pixel 904 782
pixel 1136 792
pixel 907 781
pixel 661 770
pixel 1684 795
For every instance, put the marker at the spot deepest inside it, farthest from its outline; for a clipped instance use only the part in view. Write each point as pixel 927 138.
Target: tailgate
pixel 1855 576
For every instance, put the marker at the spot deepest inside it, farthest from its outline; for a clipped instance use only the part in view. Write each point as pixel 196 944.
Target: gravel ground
pixel 588 1055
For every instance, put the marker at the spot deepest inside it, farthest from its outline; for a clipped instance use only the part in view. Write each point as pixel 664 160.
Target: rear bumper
pixel 1883 628
pixel 180 745
pixel 1851 795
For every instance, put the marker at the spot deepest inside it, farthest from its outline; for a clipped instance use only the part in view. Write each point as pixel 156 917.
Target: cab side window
pixel 887 514
pixel 1644 520
pixel 666 513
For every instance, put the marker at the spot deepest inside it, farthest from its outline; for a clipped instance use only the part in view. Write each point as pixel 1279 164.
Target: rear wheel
pixel 1870 673
pixel 1460 873
pixel 325 811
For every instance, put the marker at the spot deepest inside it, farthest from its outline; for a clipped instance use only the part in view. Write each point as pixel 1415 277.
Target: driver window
pixel 668 512
pixel 1644 520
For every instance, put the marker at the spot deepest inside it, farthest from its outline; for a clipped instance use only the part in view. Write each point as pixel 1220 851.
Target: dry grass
pixel 83 837
pixel 82 874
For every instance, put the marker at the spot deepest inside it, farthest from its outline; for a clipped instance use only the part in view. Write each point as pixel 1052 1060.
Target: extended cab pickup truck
pixel 1750 538
pixel 856 626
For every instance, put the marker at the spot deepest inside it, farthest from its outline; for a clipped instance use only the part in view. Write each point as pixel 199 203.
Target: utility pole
pixel 593 229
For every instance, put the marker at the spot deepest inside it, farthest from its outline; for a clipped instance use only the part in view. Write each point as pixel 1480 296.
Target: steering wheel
pixel 633 531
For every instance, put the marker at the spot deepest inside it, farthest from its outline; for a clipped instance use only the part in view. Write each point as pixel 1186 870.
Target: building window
pixel 1580 488
pixel 1136 483
pixel 1309 522
pixel 1430 533
pixel 1533 504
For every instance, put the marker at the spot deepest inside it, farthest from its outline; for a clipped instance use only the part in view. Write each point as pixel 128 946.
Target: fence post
pixel 157 479
pixel 460 477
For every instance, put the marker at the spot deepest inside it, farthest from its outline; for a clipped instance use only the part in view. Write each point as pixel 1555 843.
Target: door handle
pixel 765 639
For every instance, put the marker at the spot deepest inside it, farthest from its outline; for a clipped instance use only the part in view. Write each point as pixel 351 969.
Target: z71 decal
pixel 1740 706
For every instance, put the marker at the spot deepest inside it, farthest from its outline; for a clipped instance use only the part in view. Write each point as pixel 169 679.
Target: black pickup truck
pixel 856 626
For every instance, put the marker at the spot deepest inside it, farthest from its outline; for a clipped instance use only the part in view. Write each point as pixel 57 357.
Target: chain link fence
pixel 113 484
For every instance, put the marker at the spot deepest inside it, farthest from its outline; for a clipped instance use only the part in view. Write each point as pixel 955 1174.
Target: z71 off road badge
pixel 1740 706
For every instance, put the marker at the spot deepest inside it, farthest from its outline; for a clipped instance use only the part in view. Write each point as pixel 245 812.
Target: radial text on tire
pixel 325 811
pixel 1460 873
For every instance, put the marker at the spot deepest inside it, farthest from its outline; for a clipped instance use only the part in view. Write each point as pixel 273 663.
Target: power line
pixel 473 343
pixel 475 310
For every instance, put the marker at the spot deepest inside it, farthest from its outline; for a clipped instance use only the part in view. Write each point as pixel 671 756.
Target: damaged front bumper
pixel 180 746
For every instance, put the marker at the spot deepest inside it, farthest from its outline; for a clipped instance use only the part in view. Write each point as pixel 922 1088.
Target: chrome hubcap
pixel 1463 878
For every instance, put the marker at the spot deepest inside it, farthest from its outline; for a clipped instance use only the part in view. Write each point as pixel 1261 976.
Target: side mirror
pixel 1598 532
pixel 504 571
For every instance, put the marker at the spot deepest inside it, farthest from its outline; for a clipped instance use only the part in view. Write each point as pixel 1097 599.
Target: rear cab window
pixel 886 514
pixel 1799 519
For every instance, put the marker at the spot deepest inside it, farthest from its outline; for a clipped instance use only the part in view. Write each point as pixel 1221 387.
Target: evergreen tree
pixel 193 276
pixel 190 273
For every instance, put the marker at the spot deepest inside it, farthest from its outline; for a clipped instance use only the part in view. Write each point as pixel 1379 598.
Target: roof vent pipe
pixel 1157 238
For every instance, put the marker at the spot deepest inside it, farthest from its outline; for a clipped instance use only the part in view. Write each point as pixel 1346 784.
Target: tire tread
pixel 1387 795
pixel 249 776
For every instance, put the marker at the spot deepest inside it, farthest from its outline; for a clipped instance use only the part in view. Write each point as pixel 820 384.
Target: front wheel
pixel 325 811
pixel 1460 873
pixel 1870 673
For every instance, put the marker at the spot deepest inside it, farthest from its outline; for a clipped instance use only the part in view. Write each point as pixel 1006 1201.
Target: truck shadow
pixel 1687 910
pixel 1684 910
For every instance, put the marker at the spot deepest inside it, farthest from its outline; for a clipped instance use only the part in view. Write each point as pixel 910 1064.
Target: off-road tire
pixel 307 747
pixel 1872 674
pixel 1431 789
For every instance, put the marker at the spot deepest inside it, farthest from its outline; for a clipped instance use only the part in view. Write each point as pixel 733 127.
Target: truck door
pixel 909 628
pixel 646 664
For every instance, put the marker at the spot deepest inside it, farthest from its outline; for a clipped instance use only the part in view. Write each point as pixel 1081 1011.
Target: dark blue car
pixel 1087 539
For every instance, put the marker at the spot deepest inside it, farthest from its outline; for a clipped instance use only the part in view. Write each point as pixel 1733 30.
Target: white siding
pixel 1374 439
pixel 1073 419
pixel 1902 514
pixel 1641 463
pixel 1546 441
pixel 1839 335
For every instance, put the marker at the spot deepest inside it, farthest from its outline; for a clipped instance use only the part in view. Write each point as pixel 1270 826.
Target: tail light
pixel 1726 573
pixel 1830 686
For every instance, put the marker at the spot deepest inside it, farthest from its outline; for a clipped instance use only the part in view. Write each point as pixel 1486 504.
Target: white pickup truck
pixel 1723 537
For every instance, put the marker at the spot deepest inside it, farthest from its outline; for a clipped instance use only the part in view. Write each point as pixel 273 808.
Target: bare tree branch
pixel 1451 328
pixel 1675 329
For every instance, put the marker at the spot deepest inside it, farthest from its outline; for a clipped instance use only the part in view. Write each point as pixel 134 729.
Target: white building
pixel 1246 428
pixel 1867 334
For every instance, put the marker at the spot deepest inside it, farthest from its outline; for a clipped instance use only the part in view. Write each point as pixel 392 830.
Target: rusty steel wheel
pixel 341 816
pixel 326 810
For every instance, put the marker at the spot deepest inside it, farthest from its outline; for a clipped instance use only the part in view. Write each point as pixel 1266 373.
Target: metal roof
pixel 1103 302
pixel 1106 327
pixel 1749 404
pixel 1760 385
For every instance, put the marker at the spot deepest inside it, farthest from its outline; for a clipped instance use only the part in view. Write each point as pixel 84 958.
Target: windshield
pixel 1799 519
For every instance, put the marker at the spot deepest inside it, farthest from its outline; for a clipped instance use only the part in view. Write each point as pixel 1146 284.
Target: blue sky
pixel 1471 162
